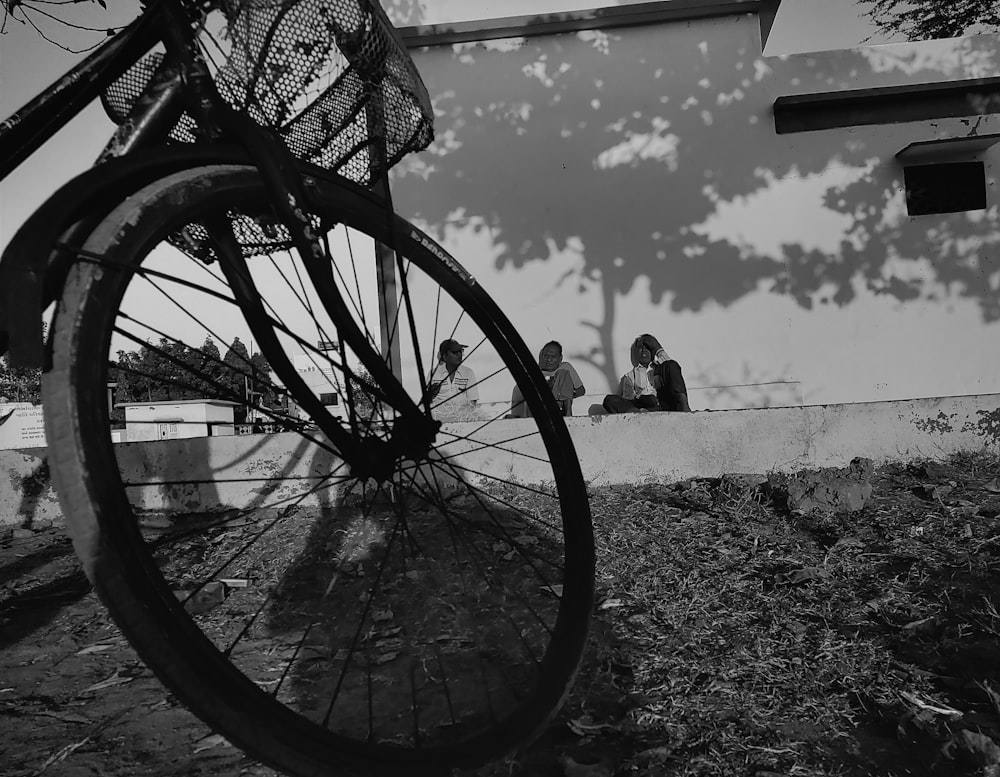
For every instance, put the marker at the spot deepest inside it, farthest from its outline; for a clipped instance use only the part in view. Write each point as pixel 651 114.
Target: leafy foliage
pixel 929 19
pixel 363 391
pixel 174 371
pixel 19 384
pixel 68 24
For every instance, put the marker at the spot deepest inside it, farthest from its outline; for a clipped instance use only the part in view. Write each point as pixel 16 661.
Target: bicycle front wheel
pixel 425 614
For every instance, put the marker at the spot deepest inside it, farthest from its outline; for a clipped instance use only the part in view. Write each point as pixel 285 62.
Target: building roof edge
pixel 590 19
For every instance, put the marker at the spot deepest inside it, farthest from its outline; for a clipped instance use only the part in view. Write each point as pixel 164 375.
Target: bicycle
pixel 367 590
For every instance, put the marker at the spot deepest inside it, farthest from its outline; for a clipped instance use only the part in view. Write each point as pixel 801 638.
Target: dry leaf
pixel 66 717
pixel 211 741
pixel 922 625
pixel 93 649
pixel 125 674
pixel 115 679
pixel 938 709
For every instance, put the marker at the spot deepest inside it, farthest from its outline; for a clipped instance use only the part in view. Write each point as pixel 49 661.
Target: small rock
pixel 157 521
pixel 210 595
pixel 931 470
pixel 20 533
pixel 572 768
pixel 932 491
pixel 653 756
pixel 828 490
pixel 975 748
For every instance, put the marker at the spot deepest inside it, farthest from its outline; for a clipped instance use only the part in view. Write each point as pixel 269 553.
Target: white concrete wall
pixel 213 473
pixel 602 184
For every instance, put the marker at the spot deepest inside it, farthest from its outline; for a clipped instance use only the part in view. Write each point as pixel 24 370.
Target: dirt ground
pixel 734 635
pixel 74 698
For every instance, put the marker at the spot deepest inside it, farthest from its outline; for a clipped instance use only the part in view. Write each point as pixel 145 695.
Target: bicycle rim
pixel 431 617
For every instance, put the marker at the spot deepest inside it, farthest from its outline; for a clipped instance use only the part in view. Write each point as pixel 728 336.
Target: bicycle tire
pixel 151 545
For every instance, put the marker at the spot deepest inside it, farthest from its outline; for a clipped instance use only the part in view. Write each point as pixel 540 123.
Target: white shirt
pixel 458 395
pixel 638 382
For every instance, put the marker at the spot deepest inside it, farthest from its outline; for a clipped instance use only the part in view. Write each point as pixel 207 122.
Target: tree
pixel 260 381
pixel 20 384
pixel 246 376
pixel 929 19
pixel 363 393
pixel 235 366
pixel 167 370
pixel 206 369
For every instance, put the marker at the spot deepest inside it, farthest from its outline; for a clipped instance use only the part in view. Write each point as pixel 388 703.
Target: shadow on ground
pixel 731 636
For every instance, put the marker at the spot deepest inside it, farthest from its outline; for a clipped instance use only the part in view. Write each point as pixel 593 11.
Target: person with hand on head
pixel 452 385
pixel 655 381
pixel 561 376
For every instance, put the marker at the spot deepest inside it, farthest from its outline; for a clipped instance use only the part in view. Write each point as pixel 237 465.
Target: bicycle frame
pixel 24 132
pixel 183 81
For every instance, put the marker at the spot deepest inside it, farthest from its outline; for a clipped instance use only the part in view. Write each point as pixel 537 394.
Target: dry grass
pixel 733 637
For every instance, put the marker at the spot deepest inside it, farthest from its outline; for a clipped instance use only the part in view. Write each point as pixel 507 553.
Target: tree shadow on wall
pixel 754 388
pixel 627 145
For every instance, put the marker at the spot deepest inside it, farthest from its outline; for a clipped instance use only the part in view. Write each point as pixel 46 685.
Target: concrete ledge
pixel 204 474
pixel 674 446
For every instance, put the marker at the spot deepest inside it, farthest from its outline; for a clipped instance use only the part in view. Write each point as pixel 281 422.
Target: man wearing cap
pixel 452 385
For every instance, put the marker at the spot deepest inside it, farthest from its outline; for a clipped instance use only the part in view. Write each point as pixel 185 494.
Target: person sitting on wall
pixel 452 385
pixel 561 376
pixel 655 381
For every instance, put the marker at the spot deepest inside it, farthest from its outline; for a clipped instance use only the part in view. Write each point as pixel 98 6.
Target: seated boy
pixel 655 381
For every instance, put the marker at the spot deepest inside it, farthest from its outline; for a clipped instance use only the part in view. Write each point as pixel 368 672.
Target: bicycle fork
pixel 413 430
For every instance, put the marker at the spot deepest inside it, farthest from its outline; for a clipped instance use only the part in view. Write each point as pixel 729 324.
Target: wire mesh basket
pixel 331 78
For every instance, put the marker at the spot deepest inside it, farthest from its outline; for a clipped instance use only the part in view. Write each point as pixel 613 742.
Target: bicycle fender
pixel 33 266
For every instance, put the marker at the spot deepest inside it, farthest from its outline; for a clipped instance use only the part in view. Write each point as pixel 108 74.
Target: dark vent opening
pixel 947 187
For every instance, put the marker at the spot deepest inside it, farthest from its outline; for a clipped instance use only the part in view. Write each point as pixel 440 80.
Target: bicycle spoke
pixel 375 574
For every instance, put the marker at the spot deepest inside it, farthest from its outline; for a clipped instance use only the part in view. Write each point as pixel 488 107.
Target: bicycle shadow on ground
pixel 407 613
